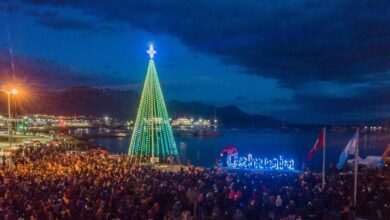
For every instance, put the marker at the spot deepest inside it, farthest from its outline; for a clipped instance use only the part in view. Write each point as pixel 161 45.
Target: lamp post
pixel 9 122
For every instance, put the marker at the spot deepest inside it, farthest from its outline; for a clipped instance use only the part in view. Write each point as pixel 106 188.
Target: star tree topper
pixel 151 51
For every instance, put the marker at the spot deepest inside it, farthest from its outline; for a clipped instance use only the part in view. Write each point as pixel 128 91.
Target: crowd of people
pixel 55 183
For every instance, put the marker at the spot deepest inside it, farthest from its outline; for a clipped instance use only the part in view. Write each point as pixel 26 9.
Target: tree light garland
pixel 152 134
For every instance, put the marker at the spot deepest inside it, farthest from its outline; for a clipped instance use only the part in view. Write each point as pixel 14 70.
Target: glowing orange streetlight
pixel 9 123
pixel 14 91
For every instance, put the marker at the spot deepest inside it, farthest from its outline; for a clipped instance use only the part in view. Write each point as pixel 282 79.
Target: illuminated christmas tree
pixel 152 134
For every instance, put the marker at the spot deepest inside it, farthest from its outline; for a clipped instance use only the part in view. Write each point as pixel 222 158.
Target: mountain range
pixel 123 105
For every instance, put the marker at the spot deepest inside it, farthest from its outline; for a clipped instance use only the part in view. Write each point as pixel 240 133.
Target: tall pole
pixel 323 159
pixel 9 121
pixel 356 168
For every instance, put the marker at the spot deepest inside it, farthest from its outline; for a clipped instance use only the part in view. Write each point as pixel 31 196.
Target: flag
pixel 387 151
pixel 384 156
pixel 350 149
pixel 320 143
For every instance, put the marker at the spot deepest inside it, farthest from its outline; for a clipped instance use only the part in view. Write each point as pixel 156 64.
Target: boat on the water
pixel 208 133
pixel 195 128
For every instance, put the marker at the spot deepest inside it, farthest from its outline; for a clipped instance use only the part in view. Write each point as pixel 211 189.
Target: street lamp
pixel 9 123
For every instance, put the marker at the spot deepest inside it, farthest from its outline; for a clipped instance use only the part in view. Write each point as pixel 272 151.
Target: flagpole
pixel 356 168
pixel 323 159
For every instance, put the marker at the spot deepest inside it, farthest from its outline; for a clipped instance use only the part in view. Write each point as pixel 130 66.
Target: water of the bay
pixel 261 143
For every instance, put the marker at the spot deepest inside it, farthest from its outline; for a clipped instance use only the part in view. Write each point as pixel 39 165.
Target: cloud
pixel 71 20
pixel 240 98
pixel 54 21
pixel 368 103
pixel 294 42
pixel 331 46
pixel 49 74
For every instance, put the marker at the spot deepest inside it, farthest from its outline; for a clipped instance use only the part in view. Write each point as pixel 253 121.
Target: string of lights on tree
pixel 152 134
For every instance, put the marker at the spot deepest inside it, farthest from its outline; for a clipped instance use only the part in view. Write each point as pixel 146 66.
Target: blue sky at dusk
pixel 313 61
